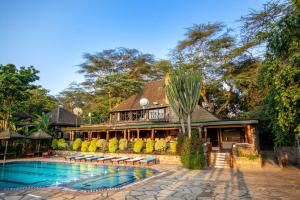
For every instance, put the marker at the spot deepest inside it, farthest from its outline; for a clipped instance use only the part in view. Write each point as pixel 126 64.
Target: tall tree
pixel 113 75
pixel 279 78
pixel 14 86
pixel 39 101
pixel 182 91
pixel 214 51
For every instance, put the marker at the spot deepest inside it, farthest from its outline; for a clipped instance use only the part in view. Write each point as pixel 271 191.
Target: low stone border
pixel 244 162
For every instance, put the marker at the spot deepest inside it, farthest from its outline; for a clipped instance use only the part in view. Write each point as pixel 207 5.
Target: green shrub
pixel 246 152
pixel 160 145
pixel 93 146
pixel 113 145
pixel 173 147
pixel 77 144
pixel 85 146
pixel 192 156
pixel 54 144
pixel 138 146
pixel 123 144
pixel 101 144
pixel 61 144
pixel 149 146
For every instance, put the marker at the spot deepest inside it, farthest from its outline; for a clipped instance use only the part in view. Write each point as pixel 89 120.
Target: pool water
pixel 79 176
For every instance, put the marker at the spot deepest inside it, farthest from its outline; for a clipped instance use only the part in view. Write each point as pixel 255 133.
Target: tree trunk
pixel 189 125
pixel 182 126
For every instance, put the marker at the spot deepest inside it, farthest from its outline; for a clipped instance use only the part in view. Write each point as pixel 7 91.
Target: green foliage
pixel 279 80
pixel 149 146
pixel 183 93
pixel 160 145
pixel 101 143
pixel 61 144
pixel 38 101
pixel 93 146
pixel 123 144
pixel 54 144
pixel 173 147
pixel 113 145
pixel 192 156
pixel 85 146
pixel 246 152
pixel 138 146
pixel 77 144
pixel 14 86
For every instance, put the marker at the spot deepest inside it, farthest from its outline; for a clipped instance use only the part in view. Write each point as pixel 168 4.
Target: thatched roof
pixel 9 134
pixel 61 116
pixel 155 93
pixel 152 90
pixel 40 135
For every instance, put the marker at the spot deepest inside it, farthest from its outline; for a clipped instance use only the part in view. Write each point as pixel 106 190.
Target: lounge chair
pixel 70 157
pixel 93 158
pixel 82 158
pixel 46 154
pixel 105 159
pixel 133 160
pixel 147 161
pixel 118 160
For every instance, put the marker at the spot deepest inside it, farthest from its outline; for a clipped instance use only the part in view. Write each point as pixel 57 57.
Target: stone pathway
pixel 180 184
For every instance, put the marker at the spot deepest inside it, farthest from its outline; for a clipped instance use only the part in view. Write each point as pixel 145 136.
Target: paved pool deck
pixel 178 183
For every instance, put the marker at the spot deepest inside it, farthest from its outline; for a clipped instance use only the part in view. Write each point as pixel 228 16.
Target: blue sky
pixel 52 35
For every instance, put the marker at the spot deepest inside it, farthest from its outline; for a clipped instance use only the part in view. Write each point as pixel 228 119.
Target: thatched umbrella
pixel 8 135
pixel 40 135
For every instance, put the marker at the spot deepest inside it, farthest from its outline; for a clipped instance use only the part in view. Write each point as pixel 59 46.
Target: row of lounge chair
pixel 112 159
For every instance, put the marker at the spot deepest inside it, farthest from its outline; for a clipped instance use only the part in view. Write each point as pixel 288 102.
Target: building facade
pixel 157 120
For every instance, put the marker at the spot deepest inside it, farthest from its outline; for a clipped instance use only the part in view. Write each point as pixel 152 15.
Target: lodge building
pixel 157 120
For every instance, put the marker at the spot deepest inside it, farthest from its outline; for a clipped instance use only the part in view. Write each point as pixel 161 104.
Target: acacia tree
pixel 182 91
pixel 14 86
pixel 212 50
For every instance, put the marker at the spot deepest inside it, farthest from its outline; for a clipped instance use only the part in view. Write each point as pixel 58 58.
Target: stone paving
pixel 179 183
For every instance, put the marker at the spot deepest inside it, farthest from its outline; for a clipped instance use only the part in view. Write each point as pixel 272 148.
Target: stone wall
pixel 287 155
pixel 162 159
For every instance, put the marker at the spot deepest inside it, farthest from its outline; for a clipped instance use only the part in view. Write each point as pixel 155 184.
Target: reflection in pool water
pixel 78 176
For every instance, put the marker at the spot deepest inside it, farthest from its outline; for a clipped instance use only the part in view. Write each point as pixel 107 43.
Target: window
pixel 157 114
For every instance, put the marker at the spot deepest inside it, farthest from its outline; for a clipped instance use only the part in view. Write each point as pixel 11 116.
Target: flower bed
pixel 244 156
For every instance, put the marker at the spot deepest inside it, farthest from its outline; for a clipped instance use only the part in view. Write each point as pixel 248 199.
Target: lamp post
pixel 144 103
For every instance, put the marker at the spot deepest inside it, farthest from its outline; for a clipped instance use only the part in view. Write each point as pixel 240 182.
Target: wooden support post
pixel 138 133
pixel 125 133
pixel 205 134
pixel 152 134
pixel 107 135
pixel 128 134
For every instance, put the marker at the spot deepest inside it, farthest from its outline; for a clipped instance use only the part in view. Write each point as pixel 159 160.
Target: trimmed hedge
pixel 93 146
pixel 149 146
pixel 113 145
pixel 77 144
pixel 61 144
pixel 101 144
pixel 173 147
pixel 123 144
pixel 85 146
pixel 160 145
pixel 138 146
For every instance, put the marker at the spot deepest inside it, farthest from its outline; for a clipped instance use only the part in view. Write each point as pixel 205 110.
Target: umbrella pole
pixel 6 143
pixel 39 148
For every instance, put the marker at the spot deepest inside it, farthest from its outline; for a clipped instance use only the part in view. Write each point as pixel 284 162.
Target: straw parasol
pixel 7 135
pixel 40 135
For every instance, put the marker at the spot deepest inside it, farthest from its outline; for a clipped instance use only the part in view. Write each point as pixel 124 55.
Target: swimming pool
pixel 78 176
